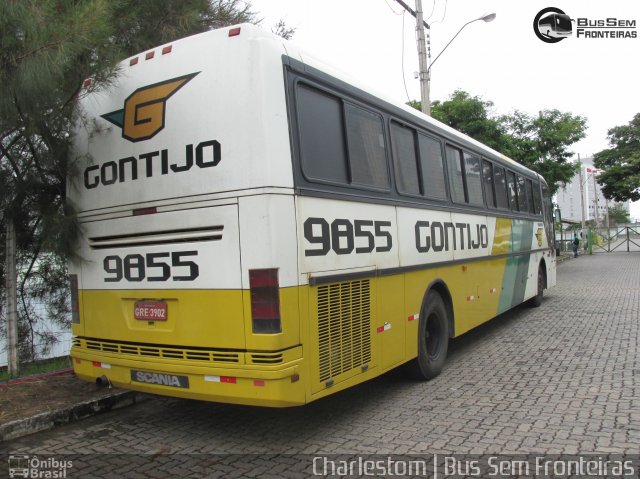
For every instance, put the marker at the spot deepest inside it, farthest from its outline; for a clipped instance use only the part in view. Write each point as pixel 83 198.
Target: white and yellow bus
pixel 257 228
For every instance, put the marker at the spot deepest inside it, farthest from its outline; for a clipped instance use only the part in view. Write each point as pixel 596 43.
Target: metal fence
pixel 602 240
pixel 621 239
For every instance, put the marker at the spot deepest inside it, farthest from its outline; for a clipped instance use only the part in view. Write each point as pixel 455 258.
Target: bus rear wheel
pixel 433 338
pixel 537 299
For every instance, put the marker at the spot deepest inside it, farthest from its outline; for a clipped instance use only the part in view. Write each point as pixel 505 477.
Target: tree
pixel 140 25
pixel 620 164
pixel 542 143
pixel 48 47
pixel 471 116
pixel 282 30
pixel 618 214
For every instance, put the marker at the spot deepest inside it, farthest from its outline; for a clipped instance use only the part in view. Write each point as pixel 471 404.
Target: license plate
pixel 162 379
pixel 150 310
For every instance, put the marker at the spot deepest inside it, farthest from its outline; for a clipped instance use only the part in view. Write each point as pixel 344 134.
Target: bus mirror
pixel 557 215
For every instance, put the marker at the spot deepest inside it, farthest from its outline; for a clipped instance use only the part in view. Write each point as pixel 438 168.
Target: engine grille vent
pixel 344 327
pixel 149 350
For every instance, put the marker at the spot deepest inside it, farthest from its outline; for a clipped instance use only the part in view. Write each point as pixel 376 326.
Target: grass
pixel 38 367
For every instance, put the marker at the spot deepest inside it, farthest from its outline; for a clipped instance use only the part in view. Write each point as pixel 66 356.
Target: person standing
pixel 576 243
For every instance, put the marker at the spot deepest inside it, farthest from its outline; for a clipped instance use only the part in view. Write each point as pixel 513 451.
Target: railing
pixel 625 238
pixel 604 240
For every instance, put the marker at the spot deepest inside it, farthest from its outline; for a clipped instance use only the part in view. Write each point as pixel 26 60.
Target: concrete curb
pixel 562 258
pixel 51 419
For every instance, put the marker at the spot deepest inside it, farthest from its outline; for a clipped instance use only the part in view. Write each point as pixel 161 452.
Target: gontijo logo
pixel 143 115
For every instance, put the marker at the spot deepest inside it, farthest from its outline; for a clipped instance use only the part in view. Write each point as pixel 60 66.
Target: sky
pixel 502 61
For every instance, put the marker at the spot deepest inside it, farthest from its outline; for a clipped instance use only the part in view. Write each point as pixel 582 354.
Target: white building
pixel 582 198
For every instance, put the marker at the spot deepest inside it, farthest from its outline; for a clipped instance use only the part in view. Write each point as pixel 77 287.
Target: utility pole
pixel 581 193
pixel 425 100
pixel 595 198
pixel 12 299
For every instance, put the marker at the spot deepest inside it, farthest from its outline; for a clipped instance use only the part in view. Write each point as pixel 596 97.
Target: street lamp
pixel 426 102
pixel 485 18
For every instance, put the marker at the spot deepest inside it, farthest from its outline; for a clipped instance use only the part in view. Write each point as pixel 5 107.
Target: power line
pixel 443 15
pixel 397 13
pixel 432 10
pixel 403 75
pixel 411 11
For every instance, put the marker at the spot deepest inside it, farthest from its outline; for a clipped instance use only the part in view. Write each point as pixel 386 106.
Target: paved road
pixel 560 379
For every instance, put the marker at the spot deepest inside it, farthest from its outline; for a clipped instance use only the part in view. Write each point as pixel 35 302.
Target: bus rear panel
pixel 184 282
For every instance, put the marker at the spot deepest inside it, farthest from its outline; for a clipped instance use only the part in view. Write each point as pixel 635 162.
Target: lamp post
pixel 425 72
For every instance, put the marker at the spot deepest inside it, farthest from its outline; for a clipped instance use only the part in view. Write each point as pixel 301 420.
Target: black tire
pixel 433 338
pixel 536 301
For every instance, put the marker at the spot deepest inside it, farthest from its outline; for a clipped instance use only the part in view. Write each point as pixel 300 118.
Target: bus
pixel 258 228
pixel 555 25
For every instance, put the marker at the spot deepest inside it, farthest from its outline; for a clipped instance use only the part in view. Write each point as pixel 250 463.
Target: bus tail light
pixel 75 307
pixel 265 301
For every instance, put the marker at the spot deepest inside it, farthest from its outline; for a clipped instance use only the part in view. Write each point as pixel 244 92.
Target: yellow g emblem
pixel 539 236
pixel 143 114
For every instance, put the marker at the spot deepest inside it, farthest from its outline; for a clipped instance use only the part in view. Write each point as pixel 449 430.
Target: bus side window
pixel 511 188
pixel 529 188
pixel 549 221
pixel 537 200
pixel 454 169
pixel 522 194
pixel 321 135
pixel 432 167
pixel 472 177
pixel 489 189
pixel 366 146
pixel 404 154
pixel 502 199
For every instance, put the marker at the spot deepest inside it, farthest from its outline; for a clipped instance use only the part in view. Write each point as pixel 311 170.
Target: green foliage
pixel 47 49
pixel 618 215
pixel 40 367
pixel 143 24
pixel 470 115
pixel 540 143
pixel 620 164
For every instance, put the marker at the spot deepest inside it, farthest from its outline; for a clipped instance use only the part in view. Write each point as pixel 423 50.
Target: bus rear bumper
pixel 282 387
